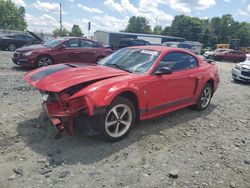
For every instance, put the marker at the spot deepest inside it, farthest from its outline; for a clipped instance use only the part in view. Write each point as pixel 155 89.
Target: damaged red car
pixel 131 84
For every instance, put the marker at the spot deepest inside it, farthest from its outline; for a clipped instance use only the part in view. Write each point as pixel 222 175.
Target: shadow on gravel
pixel 241 82
pixel 20 69
pixel 38 134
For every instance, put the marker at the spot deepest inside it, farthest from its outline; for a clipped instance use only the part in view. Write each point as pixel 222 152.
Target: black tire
pixel 129 117
pixel 200 102
pixel 11 47
pixel 43 61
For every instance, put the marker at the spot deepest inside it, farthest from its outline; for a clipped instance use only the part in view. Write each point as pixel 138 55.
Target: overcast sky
pixel 113 15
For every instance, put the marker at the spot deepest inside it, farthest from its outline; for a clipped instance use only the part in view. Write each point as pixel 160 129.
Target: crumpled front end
pixel 65 112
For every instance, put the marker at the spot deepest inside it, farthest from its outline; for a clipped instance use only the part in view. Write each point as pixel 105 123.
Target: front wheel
pixel 204 98
pixel 43 61
pixel 118 120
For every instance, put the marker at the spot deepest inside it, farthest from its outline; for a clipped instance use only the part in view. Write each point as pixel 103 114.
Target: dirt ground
pixel 200 149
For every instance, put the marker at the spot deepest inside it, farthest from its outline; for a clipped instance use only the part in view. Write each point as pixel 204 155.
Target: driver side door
pixel 167 92
pixel 68 52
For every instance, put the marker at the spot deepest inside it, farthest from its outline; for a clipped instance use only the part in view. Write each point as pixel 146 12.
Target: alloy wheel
pixel 206 97
pixel 44 61
pixel 118 120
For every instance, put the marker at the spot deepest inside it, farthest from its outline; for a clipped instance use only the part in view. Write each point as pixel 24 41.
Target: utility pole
pixel 60 18
pixel 156 20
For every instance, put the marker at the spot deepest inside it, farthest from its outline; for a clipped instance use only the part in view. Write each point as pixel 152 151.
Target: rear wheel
pixel 118 120
pixel 204 98
pixel 11 47
pixel 43 61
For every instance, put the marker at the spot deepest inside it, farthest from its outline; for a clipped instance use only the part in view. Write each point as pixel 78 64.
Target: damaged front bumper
pixel 70 119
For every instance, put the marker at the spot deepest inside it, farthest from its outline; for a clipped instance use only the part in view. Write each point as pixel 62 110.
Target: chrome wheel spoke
pixel 117 128
pixel 125 122
pixel 115 113
pixel 123 113
pixel 108 124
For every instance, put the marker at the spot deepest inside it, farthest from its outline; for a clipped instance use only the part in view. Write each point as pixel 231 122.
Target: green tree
pixel 12 17
pixel 62 33
pixel 157 30
pixel 243 33
pixel 138 25
pixel 224 27
pixel 166 30
pixel 76 31
pixel 190 28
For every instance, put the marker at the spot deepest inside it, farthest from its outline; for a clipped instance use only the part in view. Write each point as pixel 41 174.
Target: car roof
pixel 73 38
pixel 160 48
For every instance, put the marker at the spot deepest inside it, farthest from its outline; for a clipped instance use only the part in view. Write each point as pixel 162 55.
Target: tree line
pixel 13 18
pixel 207 31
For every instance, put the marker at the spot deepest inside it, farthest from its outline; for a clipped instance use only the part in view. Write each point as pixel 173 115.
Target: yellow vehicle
pixel 245 49
pixel 225 46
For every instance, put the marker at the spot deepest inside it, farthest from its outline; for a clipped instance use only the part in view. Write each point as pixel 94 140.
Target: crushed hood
pixel 56 78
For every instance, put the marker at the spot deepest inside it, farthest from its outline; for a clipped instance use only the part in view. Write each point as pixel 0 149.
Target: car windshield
pixel 131 59
pixel 54 42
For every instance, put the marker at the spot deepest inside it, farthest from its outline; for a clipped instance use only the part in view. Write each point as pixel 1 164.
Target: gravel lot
pixel 200 149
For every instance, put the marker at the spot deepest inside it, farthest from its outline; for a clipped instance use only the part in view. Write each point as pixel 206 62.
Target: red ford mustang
pixel 132 84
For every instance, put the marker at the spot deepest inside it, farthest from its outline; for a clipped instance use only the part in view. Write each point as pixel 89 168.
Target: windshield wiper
pixel 119 67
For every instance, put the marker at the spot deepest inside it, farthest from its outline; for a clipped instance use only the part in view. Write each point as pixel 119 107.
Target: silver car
pixel 241 71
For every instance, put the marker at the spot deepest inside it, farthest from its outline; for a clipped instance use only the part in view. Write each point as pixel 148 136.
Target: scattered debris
pixel 45 171
pixel 12 177
pixel 63 174
pixel 18 171
pixel 232 185
pixel 173 173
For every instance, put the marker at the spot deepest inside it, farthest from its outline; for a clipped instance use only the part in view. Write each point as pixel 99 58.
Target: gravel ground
pixel 185 148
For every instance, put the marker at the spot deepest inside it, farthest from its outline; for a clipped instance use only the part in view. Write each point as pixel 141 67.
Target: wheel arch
pixel 131 96
pixel 211 81
pixel 48 55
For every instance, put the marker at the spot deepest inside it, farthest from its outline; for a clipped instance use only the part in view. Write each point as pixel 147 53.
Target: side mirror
pixel 163 70
pixel 62 47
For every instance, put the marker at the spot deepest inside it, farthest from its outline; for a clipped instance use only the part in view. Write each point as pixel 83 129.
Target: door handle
pixel 76 52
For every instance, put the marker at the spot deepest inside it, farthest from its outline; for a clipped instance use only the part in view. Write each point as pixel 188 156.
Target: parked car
pixel 209 54
pixel 131 84
pixel 13 41
pixel 60 50
pixel 183 45
pixel 127 42
pixel 230 55
pixel 241 71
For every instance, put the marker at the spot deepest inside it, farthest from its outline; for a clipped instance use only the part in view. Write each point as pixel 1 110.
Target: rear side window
pixel 72 43
pixel 178 61
pixel 88 44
